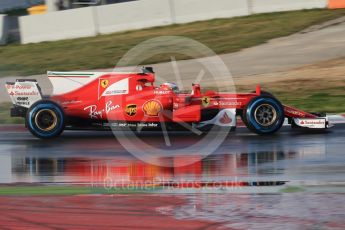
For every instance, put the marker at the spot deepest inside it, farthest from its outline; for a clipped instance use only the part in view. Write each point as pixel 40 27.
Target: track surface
pixel 286 156
pixel 100 212
pixel 319 211
pixel 89 157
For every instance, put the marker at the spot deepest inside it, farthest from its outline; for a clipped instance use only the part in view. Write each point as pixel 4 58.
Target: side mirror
pixel 147 69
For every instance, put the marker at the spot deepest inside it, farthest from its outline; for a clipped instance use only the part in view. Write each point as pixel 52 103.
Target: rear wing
pixel 23 93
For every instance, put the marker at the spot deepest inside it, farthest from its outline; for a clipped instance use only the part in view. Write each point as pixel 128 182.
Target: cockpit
pixel 170 86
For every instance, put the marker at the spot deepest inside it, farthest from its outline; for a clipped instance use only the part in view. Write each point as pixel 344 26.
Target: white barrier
pixel 3 29
pixel 197 10
pixel 140 14
pixel 266 6
pixel 58 25
pixel 133 15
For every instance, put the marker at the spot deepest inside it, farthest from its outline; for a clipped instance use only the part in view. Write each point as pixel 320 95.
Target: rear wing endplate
pixel 24 93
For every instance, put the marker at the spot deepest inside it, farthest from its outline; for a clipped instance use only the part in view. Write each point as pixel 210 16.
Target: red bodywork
pixel 143 102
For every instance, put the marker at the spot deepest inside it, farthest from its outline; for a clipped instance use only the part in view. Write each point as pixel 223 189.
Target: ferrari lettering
pixel 294 112
pixel 70 102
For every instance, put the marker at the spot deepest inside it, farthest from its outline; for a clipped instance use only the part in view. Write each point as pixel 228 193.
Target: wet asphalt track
pixel 286 156
pixel 315 160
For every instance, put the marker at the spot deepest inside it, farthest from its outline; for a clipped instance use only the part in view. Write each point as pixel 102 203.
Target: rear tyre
pixel 264 115
pixel 45 119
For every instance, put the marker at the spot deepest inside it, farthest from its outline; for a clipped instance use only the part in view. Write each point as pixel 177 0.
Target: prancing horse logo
pixel 205 101
pixel 104 83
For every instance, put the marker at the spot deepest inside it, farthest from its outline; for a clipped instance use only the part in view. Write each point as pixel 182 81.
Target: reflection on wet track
pixel 78 157
pixel 95 171
pixel 247 180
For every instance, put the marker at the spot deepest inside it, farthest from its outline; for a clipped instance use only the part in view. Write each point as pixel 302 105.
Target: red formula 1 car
pixel 86 100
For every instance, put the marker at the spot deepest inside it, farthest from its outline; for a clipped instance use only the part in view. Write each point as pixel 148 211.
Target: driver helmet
pixel 170 86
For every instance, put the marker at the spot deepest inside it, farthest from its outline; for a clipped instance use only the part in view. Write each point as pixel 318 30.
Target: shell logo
pixel 152 108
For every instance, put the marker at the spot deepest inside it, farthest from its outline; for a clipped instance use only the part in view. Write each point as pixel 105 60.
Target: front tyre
pixel 45 119
pixel 264 115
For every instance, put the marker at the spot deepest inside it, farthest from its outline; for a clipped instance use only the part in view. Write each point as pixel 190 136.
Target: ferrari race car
pixel 94 100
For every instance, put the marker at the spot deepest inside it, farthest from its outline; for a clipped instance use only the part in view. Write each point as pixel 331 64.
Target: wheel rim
pixel 46 120
pixel 265 115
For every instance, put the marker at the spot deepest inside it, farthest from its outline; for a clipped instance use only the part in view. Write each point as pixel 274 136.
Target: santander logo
pixel 225 119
